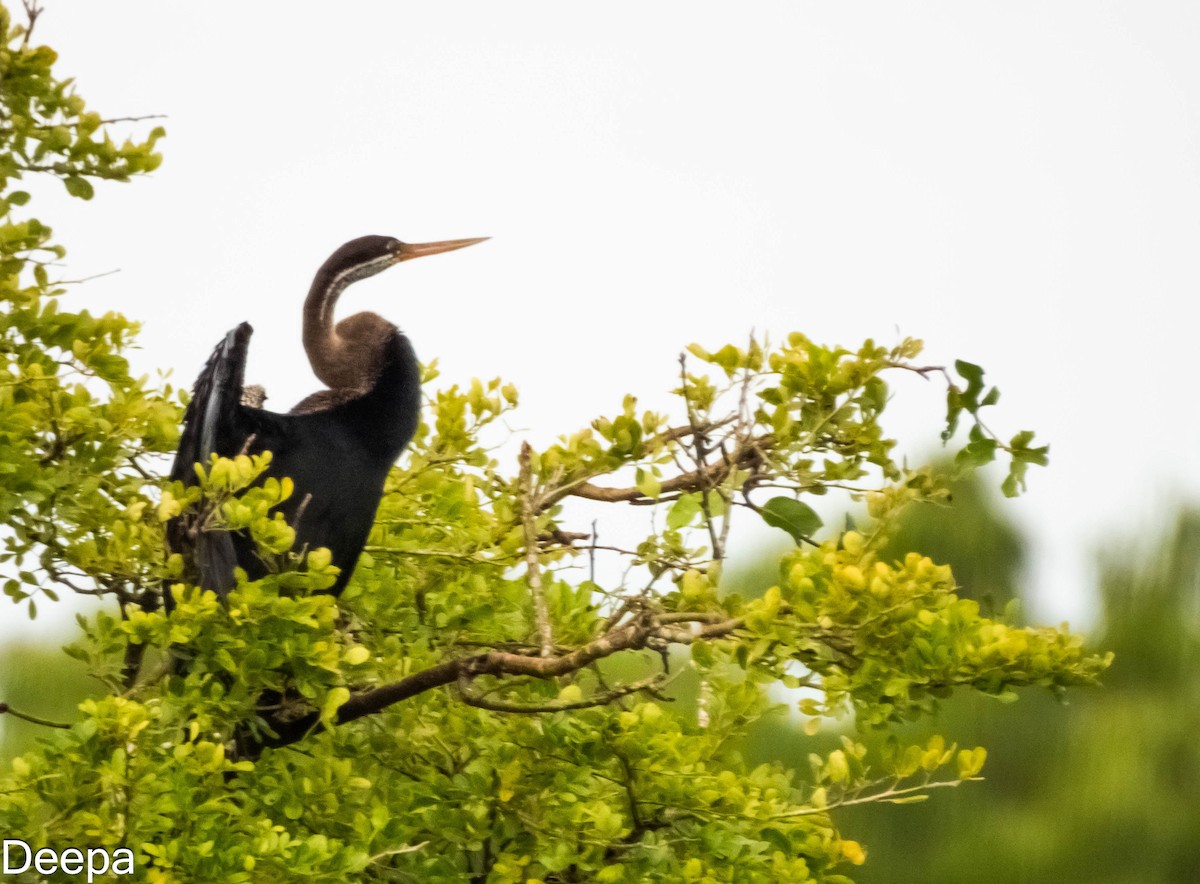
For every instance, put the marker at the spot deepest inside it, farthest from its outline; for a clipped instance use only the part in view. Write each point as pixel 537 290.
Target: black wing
pixel 215 422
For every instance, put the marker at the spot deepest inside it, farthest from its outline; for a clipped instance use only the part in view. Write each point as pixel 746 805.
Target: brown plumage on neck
pixel 345 355
pixel 348 355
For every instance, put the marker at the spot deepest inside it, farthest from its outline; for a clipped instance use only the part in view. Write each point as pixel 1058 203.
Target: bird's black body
pixel 336 446
pixel 337 458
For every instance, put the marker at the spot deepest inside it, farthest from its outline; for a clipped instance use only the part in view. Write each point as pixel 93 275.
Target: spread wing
pixel 215 422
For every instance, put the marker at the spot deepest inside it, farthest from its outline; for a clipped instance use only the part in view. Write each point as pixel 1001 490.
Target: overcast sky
pixel 1016 183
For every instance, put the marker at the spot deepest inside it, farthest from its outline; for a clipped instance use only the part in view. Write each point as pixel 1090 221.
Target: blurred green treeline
pixel 1104 790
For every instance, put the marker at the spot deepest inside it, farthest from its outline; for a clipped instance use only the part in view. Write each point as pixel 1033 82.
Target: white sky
pixel 1016 183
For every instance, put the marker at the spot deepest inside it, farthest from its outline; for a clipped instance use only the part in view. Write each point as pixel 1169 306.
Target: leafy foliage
pixel 75 428
pixel 1078 790
pixel 470 707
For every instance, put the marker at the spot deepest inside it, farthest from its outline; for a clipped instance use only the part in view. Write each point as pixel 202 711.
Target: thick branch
pixel 635 635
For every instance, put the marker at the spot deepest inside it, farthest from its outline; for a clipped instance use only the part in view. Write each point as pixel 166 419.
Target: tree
pixel 470 708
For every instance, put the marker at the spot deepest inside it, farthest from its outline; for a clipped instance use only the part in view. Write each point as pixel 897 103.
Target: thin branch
pixel 701 459
pixel 481 701
pixel 409 848
pixel 745 456
pixel 32 719
pixel 140 470
pixel 592 552
pixel 131 665
pixel 300 511
pixel 638 828
pixel 923 370
pixel 105 122
pixel 743 430
pixel 499 561
pixel 886 796
pixel 137 119
pixel 84 279
pixel 534 570
pixel 581 487
pixel 32 11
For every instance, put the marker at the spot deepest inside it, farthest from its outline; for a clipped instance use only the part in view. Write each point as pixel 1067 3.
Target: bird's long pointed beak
pixel 408 251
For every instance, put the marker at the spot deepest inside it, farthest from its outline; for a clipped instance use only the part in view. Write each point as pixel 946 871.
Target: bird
pixel 336 445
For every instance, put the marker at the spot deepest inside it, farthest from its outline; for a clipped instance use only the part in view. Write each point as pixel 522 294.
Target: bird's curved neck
pixel 336 361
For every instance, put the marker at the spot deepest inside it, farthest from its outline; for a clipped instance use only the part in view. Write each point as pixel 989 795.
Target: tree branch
pixel 479 701
pixel 32 719
pixel 32 11
pixel 887 796
pixel 581 487
pixel 644 631
pixel 700 458
pixel 747 456
pixel 533 567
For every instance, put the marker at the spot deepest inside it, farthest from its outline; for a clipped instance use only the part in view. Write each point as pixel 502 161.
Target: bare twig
pixel 32 11
pixel 4 130
pixel 592 553
pixel 743 430
pixel 84 279
pixel 580 486
pixel 747 455
pixel 700 456
pixel 502 561
pixel 300 512
pixel 924 370
pixel 887 795
pixel 137 119
pixel 627 781
pixel 408 848
pixel 32 719
pixel 481 701
pixel 534 570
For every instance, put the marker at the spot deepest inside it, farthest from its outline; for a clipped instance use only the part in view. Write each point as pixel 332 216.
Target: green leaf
pixel 728 357
pixel 683 512
pixel 971 373
pixel 976 454
pixel 334 700
pixel 796 518
pixel 648 484
pixel 79 187
pixel 970 762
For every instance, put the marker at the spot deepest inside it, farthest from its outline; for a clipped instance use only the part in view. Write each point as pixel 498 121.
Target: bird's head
pixel 369 255
pixel 343 356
